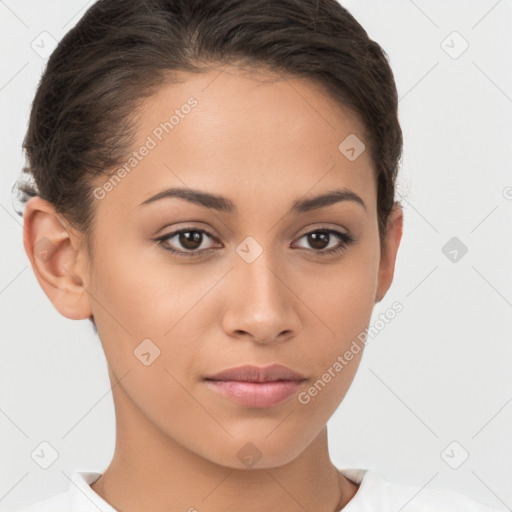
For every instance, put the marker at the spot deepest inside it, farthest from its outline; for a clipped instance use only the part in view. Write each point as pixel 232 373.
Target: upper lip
pixel 249 373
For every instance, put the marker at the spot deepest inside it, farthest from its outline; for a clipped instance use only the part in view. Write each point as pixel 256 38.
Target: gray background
pixel 439 372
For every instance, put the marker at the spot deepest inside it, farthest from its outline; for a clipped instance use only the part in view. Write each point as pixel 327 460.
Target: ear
pixel 389 251
pixel 58 260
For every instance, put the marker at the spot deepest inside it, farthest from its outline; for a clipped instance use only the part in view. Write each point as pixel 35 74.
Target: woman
pixel 214 189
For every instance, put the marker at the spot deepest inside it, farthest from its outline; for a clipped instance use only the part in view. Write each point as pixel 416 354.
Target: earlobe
pixel 390 251
pixel 57 259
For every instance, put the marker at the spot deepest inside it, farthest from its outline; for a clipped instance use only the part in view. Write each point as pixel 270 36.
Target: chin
pixel 254 452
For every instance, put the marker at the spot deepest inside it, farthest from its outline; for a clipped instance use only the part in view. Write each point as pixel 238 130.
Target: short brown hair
pixel 82 118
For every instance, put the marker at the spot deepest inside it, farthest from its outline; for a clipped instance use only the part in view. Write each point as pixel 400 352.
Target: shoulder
pixel 56 503
pixel 377 494
pixel 79 497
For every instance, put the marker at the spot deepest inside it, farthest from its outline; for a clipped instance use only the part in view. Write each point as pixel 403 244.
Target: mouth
pixel 255 386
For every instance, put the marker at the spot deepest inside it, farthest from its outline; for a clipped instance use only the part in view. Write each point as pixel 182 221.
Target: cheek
pixel 135 292
pixel 139 310
pixel 340 302
pixel 335 346
pixel 139 295
pixel 342 295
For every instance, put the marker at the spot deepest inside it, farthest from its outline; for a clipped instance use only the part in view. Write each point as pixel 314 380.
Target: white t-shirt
pixel 375 494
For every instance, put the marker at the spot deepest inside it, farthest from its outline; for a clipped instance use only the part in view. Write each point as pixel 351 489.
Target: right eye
pixel 190 239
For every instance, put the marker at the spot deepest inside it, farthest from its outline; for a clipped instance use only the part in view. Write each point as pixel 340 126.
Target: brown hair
pixel 82 120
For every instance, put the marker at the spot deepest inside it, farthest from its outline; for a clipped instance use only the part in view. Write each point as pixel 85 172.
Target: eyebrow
pixel 223 204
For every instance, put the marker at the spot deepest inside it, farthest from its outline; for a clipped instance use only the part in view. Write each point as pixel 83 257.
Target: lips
pixel 249 373
pixel 253 386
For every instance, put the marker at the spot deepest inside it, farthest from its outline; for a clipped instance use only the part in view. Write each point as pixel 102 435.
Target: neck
pixel 150 471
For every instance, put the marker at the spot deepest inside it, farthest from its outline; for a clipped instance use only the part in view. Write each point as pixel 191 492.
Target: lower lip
pixel 255 394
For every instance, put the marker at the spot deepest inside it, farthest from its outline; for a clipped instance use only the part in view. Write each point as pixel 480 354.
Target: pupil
pixel 191 242
pixel 321 236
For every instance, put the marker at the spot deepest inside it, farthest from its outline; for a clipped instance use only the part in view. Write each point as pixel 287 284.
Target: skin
pixel 263 144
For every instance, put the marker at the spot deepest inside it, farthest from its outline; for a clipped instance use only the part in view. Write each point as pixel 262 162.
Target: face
pixel 250 280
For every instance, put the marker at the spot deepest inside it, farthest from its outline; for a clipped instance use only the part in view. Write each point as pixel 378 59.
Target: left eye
pixel 319 237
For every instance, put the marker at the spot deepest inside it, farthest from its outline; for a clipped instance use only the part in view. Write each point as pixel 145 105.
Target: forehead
pixel 243 135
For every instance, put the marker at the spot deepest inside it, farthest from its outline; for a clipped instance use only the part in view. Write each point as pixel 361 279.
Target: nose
pixel 261 305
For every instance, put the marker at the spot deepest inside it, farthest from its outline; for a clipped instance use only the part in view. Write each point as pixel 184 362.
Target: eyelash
pixel 346 241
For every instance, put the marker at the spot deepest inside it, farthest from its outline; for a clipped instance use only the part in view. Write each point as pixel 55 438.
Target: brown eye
pixel 320 239
pixel 188 241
